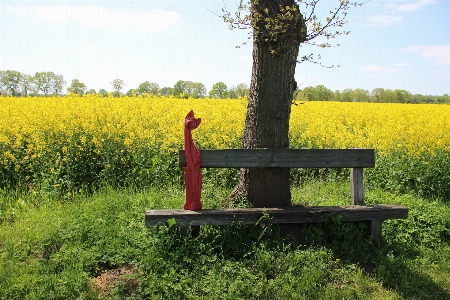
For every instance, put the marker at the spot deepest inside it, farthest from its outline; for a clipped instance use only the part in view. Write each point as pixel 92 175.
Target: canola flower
pixel 71 138
pixel 385 127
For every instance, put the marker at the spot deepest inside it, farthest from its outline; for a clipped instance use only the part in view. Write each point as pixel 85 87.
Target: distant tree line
pixel 322 93
pixel 20 84
pixel 48 83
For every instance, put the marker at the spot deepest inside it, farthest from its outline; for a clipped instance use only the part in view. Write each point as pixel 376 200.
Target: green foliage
pixel 318 93
pixel 186 89
pixel 378 95
pixel 242 90
pixel 91 91
pixel 427 226
pixel 77 87
pixel 166 91
pixel 426 174
pixel 103 92
pixel 11 81
pixel 49 82
pixel 219 90
pixel 148 88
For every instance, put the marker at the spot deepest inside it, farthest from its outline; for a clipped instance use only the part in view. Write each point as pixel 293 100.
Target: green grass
pixel 52 249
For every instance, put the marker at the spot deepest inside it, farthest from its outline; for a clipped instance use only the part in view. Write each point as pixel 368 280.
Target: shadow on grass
pixel 397 274
pixel 391 264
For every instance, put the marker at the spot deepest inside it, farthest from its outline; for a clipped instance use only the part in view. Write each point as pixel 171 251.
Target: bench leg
pixel 375 228
pixel 194 231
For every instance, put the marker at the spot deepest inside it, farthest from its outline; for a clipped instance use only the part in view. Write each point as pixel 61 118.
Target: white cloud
pixel 413 6
pixel 375 68
pixel 442 75
pixel 439 54
pixel 403 64
pixel 57 14
pixel 18 10
pixel 384 20
pixel 97 17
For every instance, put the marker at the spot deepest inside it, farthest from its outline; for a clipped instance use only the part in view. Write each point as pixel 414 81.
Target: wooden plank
pixel 293 214
pixel 284 158
pixel 356 185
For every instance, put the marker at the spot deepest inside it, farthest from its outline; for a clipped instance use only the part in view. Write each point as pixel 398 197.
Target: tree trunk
pixel 269 105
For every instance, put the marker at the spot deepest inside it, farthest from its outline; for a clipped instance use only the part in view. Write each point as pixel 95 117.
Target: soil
pixel 108 280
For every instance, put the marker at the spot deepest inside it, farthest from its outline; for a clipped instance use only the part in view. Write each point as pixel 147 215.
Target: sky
pixel 393 44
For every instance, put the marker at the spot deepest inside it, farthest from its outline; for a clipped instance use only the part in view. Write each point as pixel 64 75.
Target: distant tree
pixel 2 84
pixel 416 98
pixel 103 92
pixel 428 99
pixel 149 88
pixel 322 93
pixel 242 90
pixel 49 82
pixel 387 96
pixel 308 93
pixel 186 89
pixel 376 94
pixel 43 82
pixel 166 91
pixel 117 86
pixel 2 75
pixel 346 95
pixel 231 93
pixel 12 82
pixel 77 87
pixel 446 99
pixel 27 84
pixel 198 90
pixel 58 84
pixel 360 95
pixel 131 93
pixel 180 88
pixel 91 91
pixel 219 90
pixel 402 96
pixel 337 95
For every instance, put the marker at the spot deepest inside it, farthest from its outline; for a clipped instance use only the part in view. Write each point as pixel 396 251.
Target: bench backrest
pixel 284 158
pixel 355 159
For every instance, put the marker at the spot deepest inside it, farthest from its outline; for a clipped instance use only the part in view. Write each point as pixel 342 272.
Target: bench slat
pixel 293 214
pixel 284 158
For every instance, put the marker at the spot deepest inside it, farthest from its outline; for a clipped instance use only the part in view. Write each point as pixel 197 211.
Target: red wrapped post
pixel 192 176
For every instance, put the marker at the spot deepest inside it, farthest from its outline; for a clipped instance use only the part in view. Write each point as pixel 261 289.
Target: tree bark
pixel 269 105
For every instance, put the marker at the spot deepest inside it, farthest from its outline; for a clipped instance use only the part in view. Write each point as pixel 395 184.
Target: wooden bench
pixel 355 159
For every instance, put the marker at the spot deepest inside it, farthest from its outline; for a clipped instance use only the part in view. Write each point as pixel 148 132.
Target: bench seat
pixel 292 214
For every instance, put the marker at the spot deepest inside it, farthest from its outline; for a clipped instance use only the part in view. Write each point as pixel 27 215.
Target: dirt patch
pixel 110 279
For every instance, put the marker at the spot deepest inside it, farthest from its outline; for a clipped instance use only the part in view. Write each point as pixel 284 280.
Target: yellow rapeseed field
pixel 51 131
pixel 417 128
pixel 158 122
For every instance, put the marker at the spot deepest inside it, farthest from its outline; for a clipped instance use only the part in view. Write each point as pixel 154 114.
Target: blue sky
pixel 393 44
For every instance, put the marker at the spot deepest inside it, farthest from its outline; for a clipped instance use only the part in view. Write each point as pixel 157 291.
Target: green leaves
pixel 171 222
